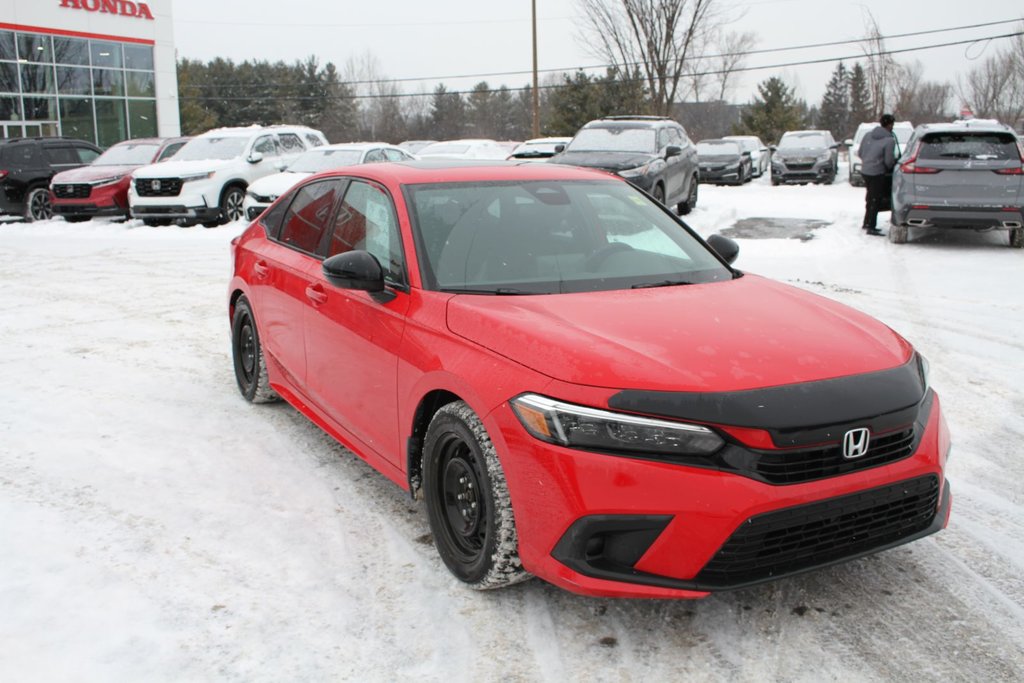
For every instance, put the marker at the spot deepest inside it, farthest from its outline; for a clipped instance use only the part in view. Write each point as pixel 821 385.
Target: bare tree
pixel 658 37
pixel 880 66
pixel 995 88
pixel 710 78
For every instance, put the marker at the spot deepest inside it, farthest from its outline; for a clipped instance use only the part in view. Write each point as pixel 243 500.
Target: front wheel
pixel 37 205
pixel 231 208
pixel 247 354
pixel 468 504
pixel 1017 238
pixel 659 194
pixel 690 203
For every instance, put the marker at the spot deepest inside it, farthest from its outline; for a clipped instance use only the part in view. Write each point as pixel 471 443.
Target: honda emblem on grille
pixel 155 185
pixel 855 442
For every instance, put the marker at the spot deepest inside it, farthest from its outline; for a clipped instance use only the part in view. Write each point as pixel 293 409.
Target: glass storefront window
pixel 8 77
pixel 106 54
pixel 7 46
pixel 111 122
pixel 140 83
pixel 10 108
pixel 33 47
pixel 37 78
pixel 142 118
pixel 138 57
pixel 108 82
pixel 76 118
pixel 71 51
pixel 73 80
pixel 40 108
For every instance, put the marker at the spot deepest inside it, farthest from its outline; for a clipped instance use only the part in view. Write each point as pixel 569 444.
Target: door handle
pixel 316 294
pixel 260 268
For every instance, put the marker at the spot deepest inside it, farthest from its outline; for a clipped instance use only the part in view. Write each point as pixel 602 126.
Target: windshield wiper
pixel 661 283
pixel 499 291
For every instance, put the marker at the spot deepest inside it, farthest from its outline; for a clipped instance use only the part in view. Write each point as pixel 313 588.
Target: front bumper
pixel 793 172
pixel 729 174
pixel 616 526
pixel 191 204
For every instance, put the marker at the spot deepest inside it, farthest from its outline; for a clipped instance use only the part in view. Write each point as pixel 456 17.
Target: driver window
pixel 266 146
pixel 367 220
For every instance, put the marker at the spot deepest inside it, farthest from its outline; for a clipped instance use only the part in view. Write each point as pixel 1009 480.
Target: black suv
pixel 28 164
pixel 653 153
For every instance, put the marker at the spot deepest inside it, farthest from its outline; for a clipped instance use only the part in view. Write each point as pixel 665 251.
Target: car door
pixel 675 173
pixel 285 268
pixel 353 337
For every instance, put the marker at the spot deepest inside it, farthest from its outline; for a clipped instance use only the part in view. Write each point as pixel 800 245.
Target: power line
pixel 781 65
pixel 742 53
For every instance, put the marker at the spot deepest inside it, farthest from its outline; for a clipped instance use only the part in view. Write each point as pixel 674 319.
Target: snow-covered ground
pixel 154 526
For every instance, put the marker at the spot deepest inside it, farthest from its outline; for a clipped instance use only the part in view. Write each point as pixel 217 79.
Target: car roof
pixel 355 146
pixel 630 122
pixel 462 170
pixel 980 125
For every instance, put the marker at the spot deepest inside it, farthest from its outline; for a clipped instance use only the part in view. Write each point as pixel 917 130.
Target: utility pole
pixel 536 94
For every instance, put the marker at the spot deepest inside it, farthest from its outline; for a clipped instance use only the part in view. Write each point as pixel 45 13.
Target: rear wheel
pixel 468 504
pixel 37 205
pixel 899 233
pixel 1017 238
pixel 247 353
pixel 690 204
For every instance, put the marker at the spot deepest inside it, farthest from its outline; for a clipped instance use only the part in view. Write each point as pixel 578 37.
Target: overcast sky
pixel 442 39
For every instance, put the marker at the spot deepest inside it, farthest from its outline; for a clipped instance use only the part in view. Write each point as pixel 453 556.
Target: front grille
pixel 793 467
pixel 79 191
pixel 799 167
pixel 806 536
pixel 158 187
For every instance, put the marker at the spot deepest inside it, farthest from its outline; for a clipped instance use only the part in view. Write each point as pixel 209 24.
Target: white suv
pixel 206 180
pixel 901 129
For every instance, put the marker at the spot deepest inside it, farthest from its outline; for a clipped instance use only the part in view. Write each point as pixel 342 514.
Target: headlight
pixel 576 426
pixel 197 176
pixel 924 368
pixel 824 156
pixel 635 172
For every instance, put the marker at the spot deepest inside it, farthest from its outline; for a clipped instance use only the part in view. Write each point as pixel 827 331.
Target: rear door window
pixel 291 143
pixel 974 145
pixel 307 217
pixel 86 154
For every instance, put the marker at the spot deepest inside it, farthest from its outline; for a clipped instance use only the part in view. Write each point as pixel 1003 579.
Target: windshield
pixel 127 154
pixel 549 237
pixel 807 141
pixel 325 159
pixel 718 149
pixel 211 148
pixel 617 139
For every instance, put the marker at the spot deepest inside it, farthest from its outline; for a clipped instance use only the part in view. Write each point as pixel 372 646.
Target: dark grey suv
pixel 966 174
pixel 28 164
pixel 805 156
pixel 653 153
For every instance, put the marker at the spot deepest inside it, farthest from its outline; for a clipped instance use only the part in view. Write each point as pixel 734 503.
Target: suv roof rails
pixel 637 117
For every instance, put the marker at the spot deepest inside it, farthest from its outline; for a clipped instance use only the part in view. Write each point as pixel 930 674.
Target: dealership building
pixel 98 70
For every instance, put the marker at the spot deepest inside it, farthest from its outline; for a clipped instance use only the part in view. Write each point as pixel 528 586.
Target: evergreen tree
pixel 583 98
pixel 834 113
pixel 341 115
pixel 480 111
pixel 774 111
pixel 861 107
pixel 447 114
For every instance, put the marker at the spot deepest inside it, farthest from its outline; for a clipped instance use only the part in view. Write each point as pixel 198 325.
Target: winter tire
pixel 247 353
pixel 659 194
pixel 37 205
pixel 231 207
pixel 156 222
pixel 899 233
pixel 76 219
pixel 468 504
pixel 1017 238
pixel 690 204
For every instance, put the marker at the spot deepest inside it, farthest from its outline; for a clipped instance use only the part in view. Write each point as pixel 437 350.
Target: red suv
pixel 578 386
pixel 101 188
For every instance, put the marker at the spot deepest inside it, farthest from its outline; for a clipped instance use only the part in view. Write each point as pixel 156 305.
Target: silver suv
pixel 966 174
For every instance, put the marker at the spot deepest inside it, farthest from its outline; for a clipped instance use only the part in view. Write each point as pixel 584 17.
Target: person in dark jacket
pixel 878 159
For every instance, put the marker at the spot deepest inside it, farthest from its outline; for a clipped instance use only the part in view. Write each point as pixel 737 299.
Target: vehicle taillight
pixel 912 167
pixel 3 175
pixel 1016 170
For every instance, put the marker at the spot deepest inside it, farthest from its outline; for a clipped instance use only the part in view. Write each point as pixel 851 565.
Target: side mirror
pixel 772 148
pixel 848 142
pixel 835 146
pixel 255 157
pixel 355 270
pixel 724 247
pixel 673 151
pixel 746 153
pixel 559 148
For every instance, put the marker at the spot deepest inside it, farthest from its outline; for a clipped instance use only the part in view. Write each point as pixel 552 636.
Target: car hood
pixel 176 169
pixel 609 161
pixel 729 336
pixel 718 158
pixel 88 174
pixel 277 184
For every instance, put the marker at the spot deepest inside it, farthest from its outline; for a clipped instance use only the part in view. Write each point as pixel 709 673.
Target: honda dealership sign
pixel 125 8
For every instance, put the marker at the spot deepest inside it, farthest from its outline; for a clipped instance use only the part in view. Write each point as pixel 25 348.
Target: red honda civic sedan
pixel 580 387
